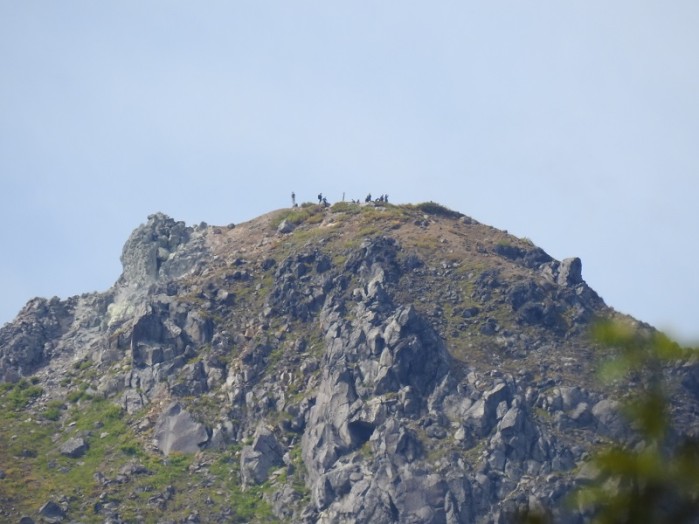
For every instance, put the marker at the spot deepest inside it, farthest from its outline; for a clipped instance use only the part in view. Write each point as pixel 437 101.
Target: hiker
pixel 368 198
pixel 320 198
pixel 385 198
pixel 325 202
pixel 293 199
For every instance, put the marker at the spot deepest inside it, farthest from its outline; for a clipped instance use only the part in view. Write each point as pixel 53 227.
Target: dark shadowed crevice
pixel 360 432
pixel 395 516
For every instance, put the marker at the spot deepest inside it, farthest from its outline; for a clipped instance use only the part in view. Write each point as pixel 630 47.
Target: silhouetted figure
pixel 293 199
pixel 368 198
pixel 325 202
pixel 320 198
pixel 385 198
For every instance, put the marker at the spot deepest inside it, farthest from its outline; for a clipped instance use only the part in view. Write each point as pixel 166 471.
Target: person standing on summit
pixel 293 199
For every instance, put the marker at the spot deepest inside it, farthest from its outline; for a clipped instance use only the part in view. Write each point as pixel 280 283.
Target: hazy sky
pixel 573 123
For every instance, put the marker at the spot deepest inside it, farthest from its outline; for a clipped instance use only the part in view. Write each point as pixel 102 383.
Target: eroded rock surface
pixel 177 431
pixel 427 369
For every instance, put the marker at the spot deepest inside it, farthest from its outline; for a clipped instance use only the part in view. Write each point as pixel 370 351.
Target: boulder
pixel 177 431
pixel 51 513
pixel 74 448
pixel 286 227
pixel 264 453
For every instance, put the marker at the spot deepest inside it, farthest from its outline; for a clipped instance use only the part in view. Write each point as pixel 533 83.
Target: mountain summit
pixel 352 363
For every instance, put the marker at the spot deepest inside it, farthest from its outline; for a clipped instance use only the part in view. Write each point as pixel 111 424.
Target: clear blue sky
pixel 573 123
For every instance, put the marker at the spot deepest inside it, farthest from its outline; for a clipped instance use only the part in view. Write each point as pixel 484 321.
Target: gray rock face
pixel 366 381
pixel 148 253
pixel 570 272
pixel 30 341
pixel 74 448
pixel 300 286
pixel 387 352
pixel 177 431
pixel 157 251
pixel 257 459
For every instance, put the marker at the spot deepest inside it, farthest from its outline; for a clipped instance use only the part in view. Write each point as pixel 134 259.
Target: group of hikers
pixel 383 199
pixel 322 200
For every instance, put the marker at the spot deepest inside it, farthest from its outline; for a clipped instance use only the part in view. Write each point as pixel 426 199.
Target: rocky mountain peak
pixel 155 251
pixel 363 363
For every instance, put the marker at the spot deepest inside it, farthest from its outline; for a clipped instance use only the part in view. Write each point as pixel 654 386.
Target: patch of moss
pixel 78 394
pixel 432 208
pixel 298 482
pixel 20 395
pixel 308 213
pixel 346 207
pixel 53 410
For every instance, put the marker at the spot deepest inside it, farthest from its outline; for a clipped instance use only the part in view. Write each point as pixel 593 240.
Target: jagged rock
pixel 74 448
pixel 177 431
pixel 29 342
pixel 268 263
pixel 51 513
pixel 132 401
pixel 150 246
pixel 399 442
pixel 192 380
pixel 483 414
pixel 431 373
pixel 257 459
pixel 570 272
pixel 299 288
pixel 285 227
pixel 690 378
pixel 283 501
pixel 528 257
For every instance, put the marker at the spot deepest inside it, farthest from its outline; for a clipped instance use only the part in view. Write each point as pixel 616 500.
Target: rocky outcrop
pixel 92 325
pixel 30 341
pixel 429 375
pixel 158 249
pixel 386 379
